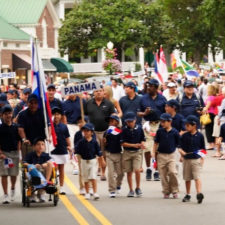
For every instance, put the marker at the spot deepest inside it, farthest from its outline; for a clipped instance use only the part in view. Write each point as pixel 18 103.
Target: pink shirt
pixel 212 108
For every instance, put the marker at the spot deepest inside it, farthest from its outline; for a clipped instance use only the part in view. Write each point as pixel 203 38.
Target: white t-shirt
pixel 118 92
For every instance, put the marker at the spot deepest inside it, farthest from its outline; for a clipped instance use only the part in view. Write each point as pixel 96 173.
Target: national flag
pixel 201 152
pixel 39 88
pixel 189 70
pixel 8 163
pixel 154 163
pixel 162 67
pixel 156 62
pixel 113 130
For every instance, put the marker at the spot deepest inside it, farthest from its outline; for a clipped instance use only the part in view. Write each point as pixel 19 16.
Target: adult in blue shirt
pixel 152 103
pixel 130 102
pixel 190 103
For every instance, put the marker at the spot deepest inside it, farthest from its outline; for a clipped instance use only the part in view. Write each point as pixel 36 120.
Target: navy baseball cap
pixel 173 103
pixel 11 91
pixel 191 119
pixel 51 86
pixel 130 116
pixel 130 84
pixel 32 97
pixel 88 126
pixel 36 140
pixel 3 99
pixel 115 117
pixel 26 90
pixel 6 108
pixel 153 82
pixel 188 83
pixel 166 117
pixel 56 110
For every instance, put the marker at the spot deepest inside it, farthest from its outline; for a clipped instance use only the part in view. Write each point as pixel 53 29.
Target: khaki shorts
pixel 216 128
pixel 132 160
pixel 14 155
pixel 192 169
pixel 100 138
pixel 89 169
pixel 150 137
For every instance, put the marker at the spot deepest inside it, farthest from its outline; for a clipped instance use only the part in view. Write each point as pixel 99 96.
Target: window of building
pixel 5 44
pixel 17 45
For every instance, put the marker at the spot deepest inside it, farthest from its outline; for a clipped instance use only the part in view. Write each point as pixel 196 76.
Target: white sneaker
pixel 82 191
pixel 87 196
pixel 75 172
pixel 96 196
pixel 62 191
pixel 112 194
pixel 33 198
pixel 6 199
pixel 91 191
pixel 42 198
pixel 12 195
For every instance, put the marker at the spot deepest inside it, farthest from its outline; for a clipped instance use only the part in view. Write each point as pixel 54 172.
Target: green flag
pixel 187 66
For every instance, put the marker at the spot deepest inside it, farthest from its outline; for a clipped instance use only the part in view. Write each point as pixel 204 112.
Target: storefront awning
pixel 62 65
pixel 48 66
pixel 21 61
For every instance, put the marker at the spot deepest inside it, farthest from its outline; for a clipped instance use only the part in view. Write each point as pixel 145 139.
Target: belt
pixel 132 150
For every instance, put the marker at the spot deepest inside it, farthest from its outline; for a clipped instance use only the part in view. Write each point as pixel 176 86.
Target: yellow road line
pixel 99 216
pixel 78 217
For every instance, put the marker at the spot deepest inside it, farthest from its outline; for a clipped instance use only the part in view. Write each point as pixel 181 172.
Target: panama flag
pixel 154 164
pixel 39 88
pixel 159 76
pixel 201 152
pixel 8 163
pixel 113 130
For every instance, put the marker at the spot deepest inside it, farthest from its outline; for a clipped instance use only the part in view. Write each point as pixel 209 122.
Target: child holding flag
pixel 9 152
pixel 193 151
pixel 60 153
pixel 166 142
pixel 113 155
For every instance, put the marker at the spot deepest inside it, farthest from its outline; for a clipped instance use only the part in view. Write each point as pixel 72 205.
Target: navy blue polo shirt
pixel 33 158
pixel 178 122
pixel 113 144
pixel 190 143
pixel 78 136
pixel 132 136
pixel 56 103
pixel 9 137
pixel 222 132
pixel 72 110
pixel 168 140
pixel 33 124
pixel 157 106
pixel 188 105
pixel 130 105
pixel 62 133
pixel 88 149
pixel 18 108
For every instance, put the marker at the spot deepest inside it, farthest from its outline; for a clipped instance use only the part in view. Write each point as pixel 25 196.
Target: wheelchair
pixel 28 187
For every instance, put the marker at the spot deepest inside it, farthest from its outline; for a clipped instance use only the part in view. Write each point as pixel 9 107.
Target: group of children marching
pixel 124 150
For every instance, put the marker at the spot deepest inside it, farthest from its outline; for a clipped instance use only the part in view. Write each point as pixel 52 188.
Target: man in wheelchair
pixel 38 160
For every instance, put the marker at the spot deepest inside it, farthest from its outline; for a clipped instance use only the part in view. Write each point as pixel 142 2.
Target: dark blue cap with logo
pixel 130 84
pixel 173 103
pixel 191 119
pixel 11 91
pixel 188 83
pixel 130 116
pixel 166 117
pixel 6 108
pixel 153 82
pixel 115 117
pixel 32 97
pixel 26 90
pixel 88 126
pixel 56 110
pixel 51 86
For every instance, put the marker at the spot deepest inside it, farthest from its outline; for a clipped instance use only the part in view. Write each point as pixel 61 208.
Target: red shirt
pixel 217 102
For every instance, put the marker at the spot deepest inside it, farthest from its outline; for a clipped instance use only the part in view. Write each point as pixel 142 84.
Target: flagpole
pixel 42 94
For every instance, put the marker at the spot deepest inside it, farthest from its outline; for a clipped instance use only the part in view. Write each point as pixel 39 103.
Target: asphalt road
pixel 149 209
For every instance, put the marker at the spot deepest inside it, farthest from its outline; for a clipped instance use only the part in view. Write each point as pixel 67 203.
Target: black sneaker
pixel 138 192
pixel 156 176
pixel 130 194
pixel 200 197
pixel 186 198
pixel 148 174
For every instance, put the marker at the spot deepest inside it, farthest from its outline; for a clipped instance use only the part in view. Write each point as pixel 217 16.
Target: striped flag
pixel 113 130
pixel 39 88
pixel 201 152
pixel 173 61
pixel 189 69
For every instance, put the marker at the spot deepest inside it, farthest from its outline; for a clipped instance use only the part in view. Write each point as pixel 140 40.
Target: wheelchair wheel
pixel 23 187
pixel 55 199
pixel 28 201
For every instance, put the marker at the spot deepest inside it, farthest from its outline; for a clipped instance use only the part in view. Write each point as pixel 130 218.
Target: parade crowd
pixel 120 127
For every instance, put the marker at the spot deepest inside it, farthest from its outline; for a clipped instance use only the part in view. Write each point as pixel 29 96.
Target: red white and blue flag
pixel 39 88
pixel 201 152
pixel 154 164
pixel 8 163
pixel 113 130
